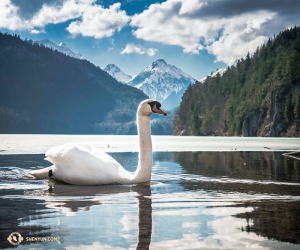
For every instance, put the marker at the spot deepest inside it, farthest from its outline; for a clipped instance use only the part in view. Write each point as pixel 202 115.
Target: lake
pixel 205 193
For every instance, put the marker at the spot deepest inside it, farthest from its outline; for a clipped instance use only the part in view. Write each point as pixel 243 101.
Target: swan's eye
pixel 151 105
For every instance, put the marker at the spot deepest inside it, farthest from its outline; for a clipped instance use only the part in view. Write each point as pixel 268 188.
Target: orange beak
pixel 159 111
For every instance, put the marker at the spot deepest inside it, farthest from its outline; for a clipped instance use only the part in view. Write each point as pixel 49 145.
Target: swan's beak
pixel 159 111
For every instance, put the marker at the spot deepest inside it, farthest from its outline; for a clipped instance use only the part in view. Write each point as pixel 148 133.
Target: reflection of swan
pixel 84 165
pixel 70 200
pixel 145 216
pixel 76 204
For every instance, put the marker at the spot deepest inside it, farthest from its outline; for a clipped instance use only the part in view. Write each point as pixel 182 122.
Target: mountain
pixel 163 82
pixel 45 91
pixel 62 47
pixel 115 72
pixel 258 96
pixel 220 71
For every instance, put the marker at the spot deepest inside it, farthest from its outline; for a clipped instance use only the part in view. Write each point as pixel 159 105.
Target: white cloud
pixel 167 26
pixel 138 49
pixel 227 29
pixel 239 36
pixel 9 18
pixel 93 20
pixel 132 48
pixel 175 22
pixel 152 51
pixel 37 31
pixel 98 22
pixel 57 14
pixel 71 9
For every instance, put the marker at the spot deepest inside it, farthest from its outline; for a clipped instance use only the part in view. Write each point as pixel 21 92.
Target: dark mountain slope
pixel 44 91
pixel 259 96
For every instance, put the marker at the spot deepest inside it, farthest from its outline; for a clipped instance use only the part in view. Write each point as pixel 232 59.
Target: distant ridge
pixel 45 91
pixel 118 74
pixel 220 71
pixel 62 47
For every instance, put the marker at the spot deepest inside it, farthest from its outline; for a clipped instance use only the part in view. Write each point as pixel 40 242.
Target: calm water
pixel 196 200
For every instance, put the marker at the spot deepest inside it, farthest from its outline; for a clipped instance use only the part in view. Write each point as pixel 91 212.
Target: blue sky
pixel 197 36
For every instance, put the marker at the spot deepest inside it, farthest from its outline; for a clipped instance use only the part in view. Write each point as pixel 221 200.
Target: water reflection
pixel 244 165
pixel 145 215
pixel 48 207
pixel 143 195
pixel 259 174
pixel 276 220
pixel 219 200
pixel 15 211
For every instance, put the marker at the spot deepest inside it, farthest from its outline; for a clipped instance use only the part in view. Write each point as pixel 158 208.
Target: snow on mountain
pixel 221 71
pixel 115 72
pixel 62 47
pixel 163 82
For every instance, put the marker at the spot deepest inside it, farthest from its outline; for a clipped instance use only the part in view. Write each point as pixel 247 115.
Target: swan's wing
pixel 84 165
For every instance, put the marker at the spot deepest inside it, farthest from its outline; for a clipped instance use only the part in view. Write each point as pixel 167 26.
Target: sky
pixel 197 36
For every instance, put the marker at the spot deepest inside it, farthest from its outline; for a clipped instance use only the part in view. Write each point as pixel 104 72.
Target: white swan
pixel 84 165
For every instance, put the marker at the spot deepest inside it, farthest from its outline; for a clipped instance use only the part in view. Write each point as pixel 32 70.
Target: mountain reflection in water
pixel 253 173
pixel 196 200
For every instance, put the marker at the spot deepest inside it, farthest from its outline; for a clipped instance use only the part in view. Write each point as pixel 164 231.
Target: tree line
pixel 45 91
pixel 220 105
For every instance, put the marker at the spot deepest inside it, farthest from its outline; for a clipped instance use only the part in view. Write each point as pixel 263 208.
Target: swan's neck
pixel 143 171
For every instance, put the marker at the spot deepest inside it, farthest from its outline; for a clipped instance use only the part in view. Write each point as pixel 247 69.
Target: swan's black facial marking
pixel 158 105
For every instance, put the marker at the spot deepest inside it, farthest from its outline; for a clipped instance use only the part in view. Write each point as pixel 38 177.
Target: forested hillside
pixel 258 96
pixel 44 91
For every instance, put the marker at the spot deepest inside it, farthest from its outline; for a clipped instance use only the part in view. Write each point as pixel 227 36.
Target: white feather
pixel 83 165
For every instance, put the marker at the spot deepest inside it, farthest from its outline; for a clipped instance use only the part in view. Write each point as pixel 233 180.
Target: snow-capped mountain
pixel 221 71
pixel 115 72
pixel 62 47
pixel 163 82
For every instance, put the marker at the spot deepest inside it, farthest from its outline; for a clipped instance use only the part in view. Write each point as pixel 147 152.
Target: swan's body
pixel 80 164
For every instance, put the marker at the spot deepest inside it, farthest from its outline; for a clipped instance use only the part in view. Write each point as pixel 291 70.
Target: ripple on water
pixel 14 174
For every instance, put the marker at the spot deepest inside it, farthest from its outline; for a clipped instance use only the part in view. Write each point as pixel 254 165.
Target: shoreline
pixel 39 144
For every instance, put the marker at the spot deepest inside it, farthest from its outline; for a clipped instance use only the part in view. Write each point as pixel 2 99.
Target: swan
pixel 80 164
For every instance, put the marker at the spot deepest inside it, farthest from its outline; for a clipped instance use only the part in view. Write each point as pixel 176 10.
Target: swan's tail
pixel 42 174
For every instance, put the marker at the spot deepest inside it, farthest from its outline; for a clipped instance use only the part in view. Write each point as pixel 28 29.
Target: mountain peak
pixel 117 73
pixel 111 66
pixel 158 63
pixel 62 47
pixel 161 61
pixel 163 82
pixel 44 41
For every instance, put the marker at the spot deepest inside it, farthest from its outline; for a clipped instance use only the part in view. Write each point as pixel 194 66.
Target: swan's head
pixel 149 107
